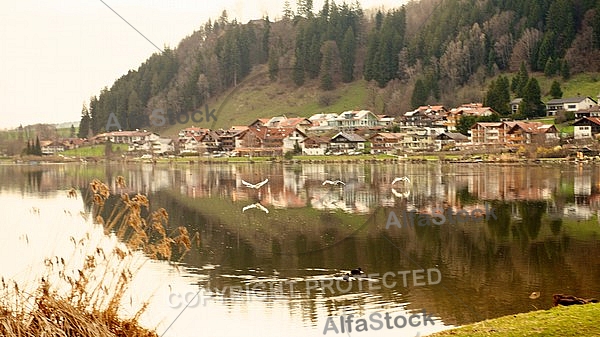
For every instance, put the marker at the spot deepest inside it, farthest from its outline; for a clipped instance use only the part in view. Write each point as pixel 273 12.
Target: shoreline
pixel 426 158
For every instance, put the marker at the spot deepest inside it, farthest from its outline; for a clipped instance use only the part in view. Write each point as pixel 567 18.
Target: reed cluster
pixel 85 298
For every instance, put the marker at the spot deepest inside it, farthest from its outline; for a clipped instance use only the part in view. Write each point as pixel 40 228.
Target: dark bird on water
pixel 356 271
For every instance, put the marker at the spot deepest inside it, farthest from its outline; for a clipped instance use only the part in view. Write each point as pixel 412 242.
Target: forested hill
pixel 429 48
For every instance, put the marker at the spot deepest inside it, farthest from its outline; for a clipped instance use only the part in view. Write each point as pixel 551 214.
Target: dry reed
pixel 89 306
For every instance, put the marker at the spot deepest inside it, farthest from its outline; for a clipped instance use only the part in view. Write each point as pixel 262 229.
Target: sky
pixel 55 55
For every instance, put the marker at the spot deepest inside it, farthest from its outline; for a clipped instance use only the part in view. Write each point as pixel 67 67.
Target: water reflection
pixel 543 237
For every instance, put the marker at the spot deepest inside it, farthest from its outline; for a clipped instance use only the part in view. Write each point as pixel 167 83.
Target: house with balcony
pixel 315 145
pixel 420 138
pixel 587 127
pixel 471 109
pixel 351 120
pixel 489 133
pixel 591 112
pixel 230 139
pixel 531 133
pixel 209 142
pixel 347 142
pixel 189 144
pixel 385 121
pixel 162 146
pixel 572 104
pixel 287 139
pixel 126 137
pixel 191 131
pixel 299 123
pixel 514 105
pixel 386 142
pixel 270 140
pixel 450 139
pixel 322 123
pixel 428 115
pixel 50 147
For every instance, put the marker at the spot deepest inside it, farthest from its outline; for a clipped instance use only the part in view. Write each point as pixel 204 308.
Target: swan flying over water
pixel 255 186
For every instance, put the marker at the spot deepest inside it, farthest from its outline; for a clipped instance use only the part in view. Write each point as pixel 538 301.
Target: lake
pixel 455 244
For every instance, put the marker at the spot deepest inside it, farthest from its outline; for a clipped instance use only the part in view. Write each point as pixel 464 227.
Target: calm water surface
pixel 258 273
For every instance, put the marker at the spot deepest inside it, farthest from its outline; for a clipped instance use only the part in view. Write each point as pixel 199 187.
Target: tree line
pixel 431 46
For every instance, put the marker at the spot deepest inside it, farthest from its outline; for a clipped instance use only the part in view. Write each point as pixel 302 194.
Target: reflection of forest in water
pixel 545 237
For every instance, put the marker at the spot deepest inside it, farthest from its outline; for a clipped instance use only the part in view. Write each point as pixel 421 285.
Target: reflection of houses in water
pixel 510 183
pixel 579 212
pixel 583 185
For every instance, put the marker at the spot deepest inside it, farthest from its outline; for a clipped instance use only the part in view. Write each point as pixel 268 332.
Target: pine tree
pixel 273 65
pixel 520 80
pixel 555 90
pixel 550 69
pixel 420 94
pixel 531 105
pixel 565 70
pixel 498 96
pixel 38 147
pixel 348 52
pixel 84 124
pixel 288 14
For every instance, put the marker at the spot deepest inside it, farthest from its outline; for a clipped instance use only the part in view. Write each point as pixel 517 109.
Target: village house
pixel 260 122
pixel 162 146
pixel 428 115
pixel 572 104
pixel 514 105
pixel 350 120
pixel 489 133
pixel 285 139
pixel 189 144
pixel 229 139
pixel 73 143
pixel 386 142
pixel 420 138
pixel 530 133
pixel 385 120
pixel 191 131
pixel 270 140
pixel 315 145
pixel 471 109
pixel 347 142
pixel 591 112
pixel 50 147
pixel 300 123
pixel 450 139
pixel 126 137
pixel 587 127
pixel 206 142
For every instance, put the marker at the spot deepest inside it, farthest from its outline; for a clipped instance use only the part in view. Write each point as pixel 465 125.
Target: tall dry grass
pixel 86 301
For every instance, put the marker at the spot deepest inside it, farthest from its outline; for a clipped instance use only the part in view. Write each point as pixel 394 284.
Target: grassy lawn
pixel 94 150
pixel 576 320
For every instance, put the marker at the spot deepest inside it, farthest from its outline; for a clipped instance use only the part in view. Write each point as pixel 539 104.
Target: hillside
pixel 340 57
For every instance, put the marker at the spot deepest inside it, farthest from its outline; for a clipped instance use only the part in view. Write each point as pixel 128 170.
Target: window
pixel 571 106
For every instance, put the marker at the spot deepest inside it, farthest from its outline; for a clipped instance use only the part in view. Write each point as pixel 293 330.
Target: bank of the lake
pixel 452 157
pixel 575 320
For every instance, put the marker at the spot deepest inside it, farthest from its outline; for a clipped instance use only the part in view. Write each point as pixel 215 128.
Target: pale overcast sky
pixel 55 55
